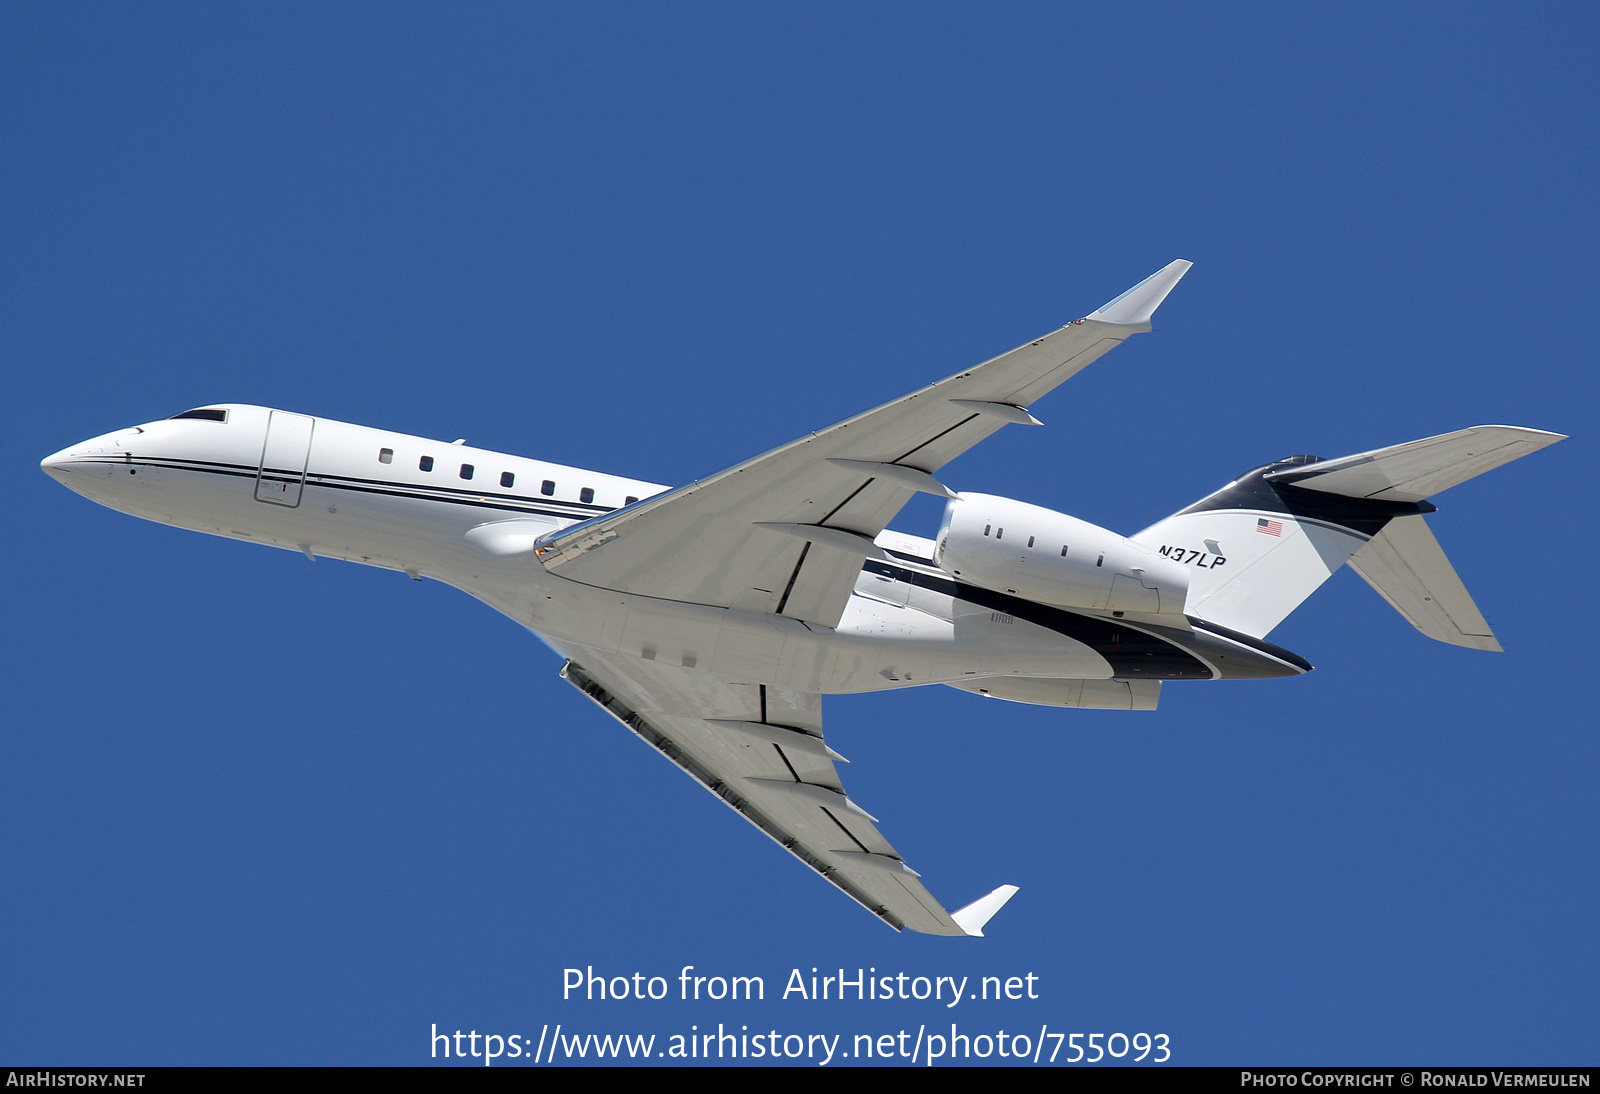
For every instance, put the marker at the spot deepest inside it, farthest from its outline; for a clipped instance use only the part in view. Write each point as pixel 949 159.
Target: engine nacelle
pixel 1012 547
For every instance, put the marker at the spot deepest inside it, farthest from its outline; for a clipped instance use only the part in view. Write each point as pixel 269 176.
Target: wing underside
pixel 785 532
pixel 760 750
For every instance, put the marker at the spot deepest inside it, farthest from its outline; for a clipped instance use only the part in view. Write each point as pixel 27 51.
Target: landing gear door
pixel 282 474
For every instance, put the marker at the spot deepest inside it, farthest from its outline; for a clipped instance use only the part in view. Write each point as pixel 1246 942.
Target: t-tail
pixel 1262 544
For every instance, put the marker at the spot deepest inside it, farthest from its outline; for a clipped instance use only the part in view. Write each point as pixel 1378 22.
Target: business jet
pixel 711 618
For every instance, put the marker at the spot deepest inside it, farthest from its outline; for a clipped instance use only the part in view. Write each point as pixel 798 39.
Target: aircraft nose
pixel 58 465
pixel 81 468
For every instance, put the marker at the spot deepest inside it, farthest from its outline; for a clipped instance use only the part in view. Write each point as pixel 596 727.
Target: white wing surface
pixel 760 750
pixel 1418 469
pixel 786 532
pixel 1408 568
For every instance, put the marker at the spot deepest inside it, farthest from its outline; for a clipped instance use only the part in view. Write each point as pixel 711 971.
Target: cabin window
pixel 1063 550
pixel 547 488
pixel 426 463
pixel 999 533
pixel 1030 541
pixel 986 528
pixel 629 500
pixel 507 479
pixel 208 414
pixel 385 455
pixel 466 471
pixel 586 495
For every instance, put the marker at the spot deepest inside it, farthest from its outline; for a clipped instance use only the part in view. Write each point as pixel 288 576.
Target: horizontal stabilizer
pixel 1417 469
pixel 1408 568
pixel 972 918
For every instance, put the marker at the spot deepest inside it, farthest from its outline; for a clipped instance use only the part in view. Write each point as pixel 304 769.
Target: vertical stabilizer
pixel 1256 549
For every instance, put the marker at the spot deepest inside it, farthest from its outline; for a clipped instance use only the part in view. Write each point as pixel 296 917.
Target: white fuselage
pixel 465 516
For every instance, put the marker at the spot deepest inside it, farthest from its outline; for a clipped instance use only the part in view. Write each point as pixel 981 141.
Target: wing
pixel 760 750
pixel 786 532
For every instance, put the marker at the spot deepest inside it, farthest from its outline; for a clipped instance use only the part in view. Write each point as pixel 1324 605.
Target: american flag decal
pixel 1269 527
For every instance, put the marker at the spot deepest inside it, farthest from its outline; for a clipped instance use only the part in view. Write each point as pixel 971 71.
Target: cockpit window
pixel 206 414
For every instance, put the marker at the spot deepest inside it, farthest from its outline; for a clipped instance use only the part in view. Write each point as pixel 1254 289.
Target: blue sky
pixel 262 811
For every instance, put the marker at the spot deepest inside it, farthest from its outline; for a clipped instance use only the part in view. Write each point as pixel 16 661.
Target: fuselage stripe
pixel 418 492
pixel 1131 652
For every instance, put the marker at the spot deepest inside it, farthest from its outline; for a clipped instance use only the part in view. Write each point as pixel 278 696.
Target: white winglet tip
pixel 1135 307
pixel 972 918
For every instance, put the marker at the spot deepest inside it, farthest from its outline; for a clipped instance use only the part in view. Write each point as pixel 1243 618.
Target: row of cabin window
pixel 507 478
pixel 1000 533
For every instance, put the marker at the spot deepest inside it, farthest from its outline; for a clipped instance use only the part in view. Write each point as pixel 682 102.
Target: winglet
pixel 972 918
pixel 1135 307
